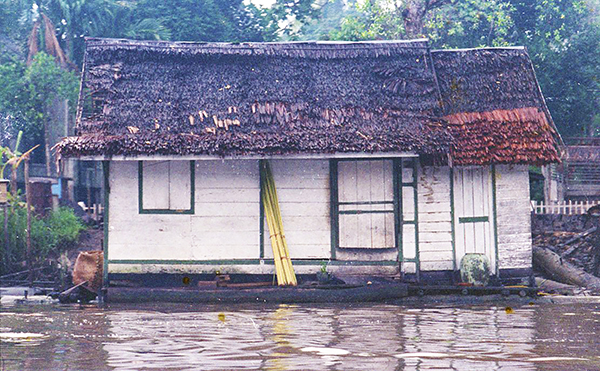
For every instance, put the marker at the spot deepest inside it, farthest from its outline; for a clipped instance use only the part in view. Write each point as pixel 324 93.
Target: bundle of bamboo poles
pixel 283 264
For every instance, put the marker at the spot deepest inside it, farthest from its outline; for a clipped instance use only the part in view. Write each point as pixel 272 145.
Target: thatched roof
pixel 494 107
pixel 173 98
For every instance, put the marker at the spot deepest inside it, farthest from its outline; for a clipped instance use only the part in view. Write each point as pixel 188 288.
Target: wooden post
pixel 28 201
pixel 89 191
pixel 13 181
pixel 6 244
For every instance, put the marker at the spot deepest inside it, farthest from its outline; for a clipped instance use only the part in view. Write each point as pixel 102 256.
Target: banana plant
pixel 13 157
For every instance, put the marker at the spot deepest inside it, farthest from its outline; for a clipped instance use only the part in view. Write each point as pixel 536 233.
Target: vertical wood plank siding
pixel 513 216
pixel 435 219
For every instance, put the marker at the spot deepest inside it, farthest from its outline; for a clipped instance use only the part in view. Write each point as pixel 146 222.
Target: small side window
pixel 166 187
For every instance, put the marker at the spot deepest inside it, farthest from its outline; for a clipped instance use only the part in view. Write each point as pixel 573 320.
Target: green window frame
pixel 357 207
pixel 186 211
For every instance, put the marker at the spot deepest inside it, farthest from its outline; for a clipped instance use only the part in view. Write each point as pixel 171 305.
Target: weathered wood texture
pixel 166 185
pixel 303 191
pixel 473 213
pixel 258 268
pixel 514 216
pixel 225 224
pixel 435 222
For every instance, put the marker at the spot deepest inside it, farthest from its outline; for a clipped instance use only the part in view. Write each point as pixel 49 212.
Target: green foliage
pixel 64 227
pixel 465 23
pixel 371 20
pixel 26 92
pixel 562 37
pixel 470 23
pixel 374 20
pixel 49 236
pixel 192 20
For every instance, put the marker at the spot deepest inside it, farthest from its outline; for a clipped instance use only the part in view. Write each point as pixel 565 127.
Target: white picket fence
pixel 95 211
pixel 562 207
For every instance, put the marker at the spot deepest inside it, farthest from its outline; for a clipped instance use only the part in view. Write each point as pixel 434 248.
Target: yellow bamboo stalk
pixel 284 251
pixel 283 264
pixel 278 267
pixel 268 204
pixel 277 233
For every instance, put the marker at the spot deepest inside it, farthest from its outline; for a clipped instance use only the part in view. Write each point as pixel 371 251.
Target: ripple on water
pixel 360 337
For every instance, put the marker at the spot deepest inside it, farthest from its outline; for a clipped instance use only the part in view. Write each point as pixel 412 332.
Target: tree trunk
pixel 28 240
pixel 413 17
pixel 13 181
pixel 414 14
pixel 562 271
pixel 47 153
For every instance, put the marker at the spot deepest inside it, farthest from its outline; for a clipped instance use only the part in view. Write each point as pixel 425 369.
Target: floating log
pixel 563 271
pixel 278 294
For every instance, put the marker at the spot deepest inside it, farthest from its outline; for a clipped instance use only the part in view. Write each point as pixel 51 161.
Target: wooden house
pixel 389 158
pixel 577 177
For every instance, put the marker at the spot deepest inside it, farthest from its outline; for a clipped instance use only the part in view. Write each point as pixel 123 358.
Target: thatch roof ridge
pixel 297 49
pixel 489 48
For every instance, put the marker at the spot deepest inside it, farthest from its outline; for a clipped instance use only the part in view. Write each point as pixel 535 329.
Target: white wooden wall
pixel 303 191
pixel 142 236
pixel 227 204
pixel 225 224
pixel 514 216
pixel 166 185
pixel 435 222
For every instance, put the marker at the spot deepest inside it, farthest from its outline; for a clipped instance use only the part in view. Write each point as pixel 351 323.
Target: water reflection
pixel 289 337
pixel 292 338
pixel 70 339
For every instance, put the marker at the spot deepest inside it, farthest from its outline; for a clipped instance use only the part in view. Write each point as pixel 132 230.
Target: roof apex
pixel 296 49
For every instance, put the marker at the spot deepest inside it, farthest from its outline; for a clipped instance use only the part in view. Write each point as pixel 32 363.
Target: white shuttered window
pixel 366 204
pixel 166 186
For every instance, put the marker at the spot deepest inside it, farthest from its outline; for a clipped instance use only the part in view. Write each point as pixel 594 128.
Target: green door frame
pixel 397 165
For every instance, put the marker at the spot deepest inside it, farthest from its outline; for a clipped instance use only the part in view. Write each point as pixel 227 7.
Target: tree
pixel 562 37
pixel 194 20
pixel 27 91
pixel 467 23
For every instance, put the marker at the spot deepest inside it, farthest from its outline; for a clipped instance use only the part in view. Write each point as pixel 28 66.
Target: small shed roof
pixel 180 98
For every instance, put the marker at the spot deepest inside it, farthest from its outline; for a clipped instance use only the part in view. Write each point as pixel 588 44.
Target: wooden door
pixel 473 213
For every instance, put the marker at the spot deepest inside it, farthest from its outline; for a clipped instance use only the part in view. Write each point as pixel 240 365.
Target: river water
pixel 300 337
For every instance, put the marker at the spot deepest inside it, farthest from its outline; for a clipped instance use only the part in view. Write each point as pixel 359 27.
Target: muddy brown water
pixel 301 337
